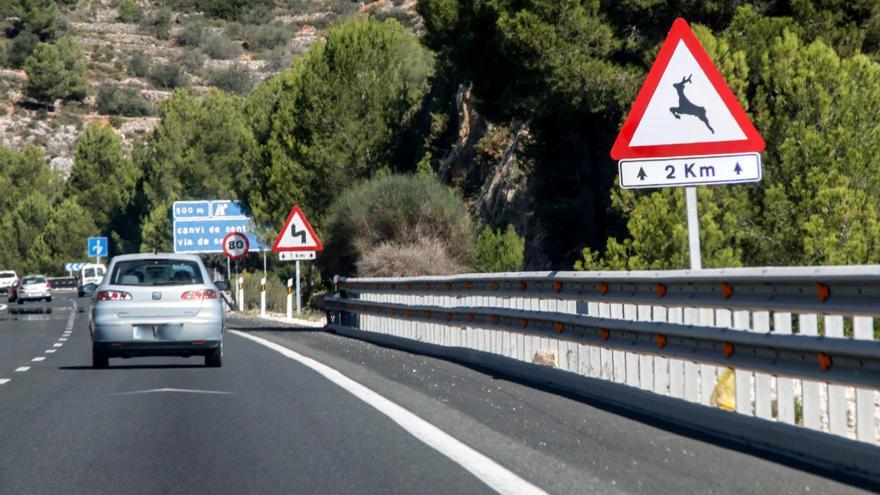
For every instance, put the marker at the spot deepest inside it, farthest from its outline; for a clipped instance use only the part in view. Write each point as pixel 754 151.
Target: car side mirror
pixel 89 289
pixel 223 285
pixel 16 284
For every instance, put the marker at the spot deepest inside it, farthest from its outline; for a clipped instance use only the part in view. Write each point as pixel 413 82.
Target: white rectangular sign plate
pixel 296 255
pixel 690 171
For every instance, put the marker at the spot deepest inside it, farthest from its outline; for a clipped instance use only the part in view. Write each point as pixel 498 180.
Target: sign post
pixel 686 129
pixel 297 241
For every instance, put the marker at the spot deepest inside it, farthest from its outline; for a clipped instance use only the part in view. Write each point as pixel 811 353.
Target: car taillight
pixel 48 285
pixel 195 295
pixel 113 295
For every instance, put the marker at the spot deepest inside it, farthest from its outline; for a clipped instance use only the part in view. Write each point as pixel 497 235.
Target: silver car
pixel 33 288
pixel 156 305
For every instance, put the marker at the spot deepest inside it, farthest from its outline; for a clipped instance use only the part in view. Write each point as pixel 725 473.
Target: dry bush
pixel 426 256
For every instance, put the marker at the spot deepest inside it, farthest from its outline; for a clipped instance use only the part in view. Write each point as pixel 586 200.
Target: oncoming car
pixel 156 305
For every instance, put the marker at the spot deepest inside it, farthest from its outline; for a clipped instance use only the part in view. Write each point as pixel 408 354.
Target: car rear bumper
pixel 138 349
pixel 26 296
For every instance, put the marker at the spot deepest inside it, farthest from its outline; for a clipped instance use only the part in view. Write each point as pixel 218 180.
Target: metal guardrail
pixel 853 290
pixel 843 361
pixel 62 282
pixel 800 339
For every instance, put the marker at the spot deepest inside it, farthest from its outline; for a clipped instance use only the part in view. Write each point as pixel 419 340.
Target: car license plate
pixel 144 332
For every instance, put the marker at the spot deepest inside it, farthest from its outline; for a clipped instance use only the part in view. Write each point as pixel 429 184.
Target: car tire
pixel 20 301
pixel 99 359
pixel 49 299
pixel 214 359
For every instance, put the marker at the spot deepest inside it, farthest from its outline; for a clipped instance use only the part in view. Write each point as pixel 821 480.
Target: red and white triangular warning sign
pixel 297 234
pixel 685 108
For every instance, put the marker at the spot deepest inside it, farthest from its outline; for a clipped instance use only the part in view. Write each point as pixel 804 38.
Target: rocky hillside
pixel 138 51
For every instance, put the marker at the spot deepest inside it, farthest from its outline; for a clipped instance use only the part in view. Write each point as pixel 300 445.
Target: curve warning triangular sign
pixel 685 108
pixel 297 234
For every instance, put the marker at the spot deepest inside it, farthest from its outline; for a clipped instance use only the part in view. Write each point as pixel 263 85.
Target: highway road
pixel 318 413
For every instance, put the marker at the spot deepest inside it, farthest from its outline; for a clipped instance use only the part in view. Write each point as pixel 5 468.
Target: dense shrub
pixel 139 65
pixel 235 79
pixel 258 15
pixel 220 48
pixel 276 292
pixel 119 100
pixel 129 11
pixel 168 76
pixel 400 214
pixel 192 35
pixel 158 23
pixel 22 47
pixel 497 251
pixel 267 37
pixel 193 61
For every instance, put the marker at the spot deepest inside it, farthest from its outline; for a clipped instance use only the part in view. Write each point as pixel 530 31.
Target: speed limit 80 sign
pixel 236 245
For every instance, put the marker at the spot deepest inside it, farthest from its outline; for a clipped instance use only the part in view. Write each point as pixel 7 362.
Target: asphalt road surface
pixel 266 423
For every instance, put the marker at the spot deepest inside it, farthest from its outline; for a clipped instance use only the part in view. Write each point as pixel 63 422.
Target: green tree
pixel 47 76
pixel 75 68
pixel 99 160
pixel 198 151
pixel 64 237
pixel 337 116
pixel 497 251
pixel 20 228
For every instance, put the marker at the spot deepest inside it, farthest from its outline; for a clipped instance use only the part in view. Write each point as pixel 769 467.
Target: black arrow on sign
pixel 298 233
pixel 737 169
pixel 642 174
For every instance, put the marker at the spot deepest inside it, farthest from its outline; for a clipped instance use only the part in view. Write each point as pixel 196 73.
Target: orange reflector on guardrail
pixel 559 327
pixel 469 284
pixel 495 285
pixel 469 317
pixel 604 334
pixel 823 291
pixel 825 361
pixel 603 288
pixel 726 290
pixel 409 312
pixel 661 340
pixel 557 286
pixel 407 286
pixel 523 322
pixel 523 286
pixel 727 348
pixel 428 314
pixel 661 290
pixel 448 316
pixel 427 285
pixel 495 319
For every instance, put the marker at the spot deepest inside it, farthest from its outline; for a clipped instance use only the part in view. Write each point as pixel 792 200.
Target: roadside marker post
pixel 263 297
pixel 686 128
pixel 290 298
pixel 241 293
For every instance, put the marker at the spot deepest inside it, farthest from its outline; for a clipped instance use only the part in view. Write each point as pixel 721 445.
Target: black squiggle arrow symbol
pixel 298 233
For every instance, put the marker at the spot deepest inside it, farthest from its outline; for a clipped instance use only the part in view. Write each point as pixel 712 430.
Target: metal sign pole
pixel 693 228
pixel 264 263
pixel 298 305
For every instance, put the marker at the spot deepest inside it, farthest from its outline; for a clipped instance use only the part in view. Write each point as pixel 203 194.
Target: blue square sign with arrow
pixel 97 246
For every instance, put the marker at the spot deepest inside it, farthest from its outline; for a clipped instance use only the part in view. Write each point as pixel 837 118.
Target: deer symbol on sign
pixel 686 107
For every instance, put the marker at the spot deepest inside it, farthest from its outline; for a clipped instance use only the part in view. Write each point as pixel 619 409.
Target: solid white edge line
pixel 485 469
pixel 22 368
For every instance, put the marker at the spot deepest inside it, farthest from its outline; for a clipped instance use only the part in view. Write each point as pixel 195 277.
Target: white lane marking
pixel 22 368
pixel 62 339
pixel 3 307
pixel 38 359
pixel 485 469
pixel 56 344
pixel 50 351
pixel 4 381
pixel 180 390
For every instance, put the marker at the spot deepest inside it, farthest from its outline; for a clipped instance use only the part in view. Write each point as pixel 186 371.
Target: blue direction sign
pixel 97 246
pixel 200 226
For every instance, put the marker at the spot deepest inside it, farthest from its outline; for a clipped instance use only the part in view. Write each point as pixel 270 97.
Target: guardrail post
pixel 289 298
pixel 240 293
pixel 263 297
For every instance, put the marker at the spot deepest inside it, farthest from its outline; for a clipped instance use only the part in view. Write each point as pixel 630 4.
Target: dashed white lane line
pixel 485 469
pixel 62 339
pixel 21 369
pixel 38 359
pixel 56 344
pixel 50 351
pixel 4 381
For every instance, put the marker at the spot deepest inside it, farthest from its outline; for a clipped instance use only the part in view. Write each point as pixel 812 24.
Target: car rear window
pixel 33 280
pixel 7 275
pixel 156 272
pixel 89 272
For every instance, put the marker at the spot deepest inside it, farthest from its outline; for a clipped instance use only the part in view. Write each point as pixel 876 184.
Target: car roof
pixel 156 256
